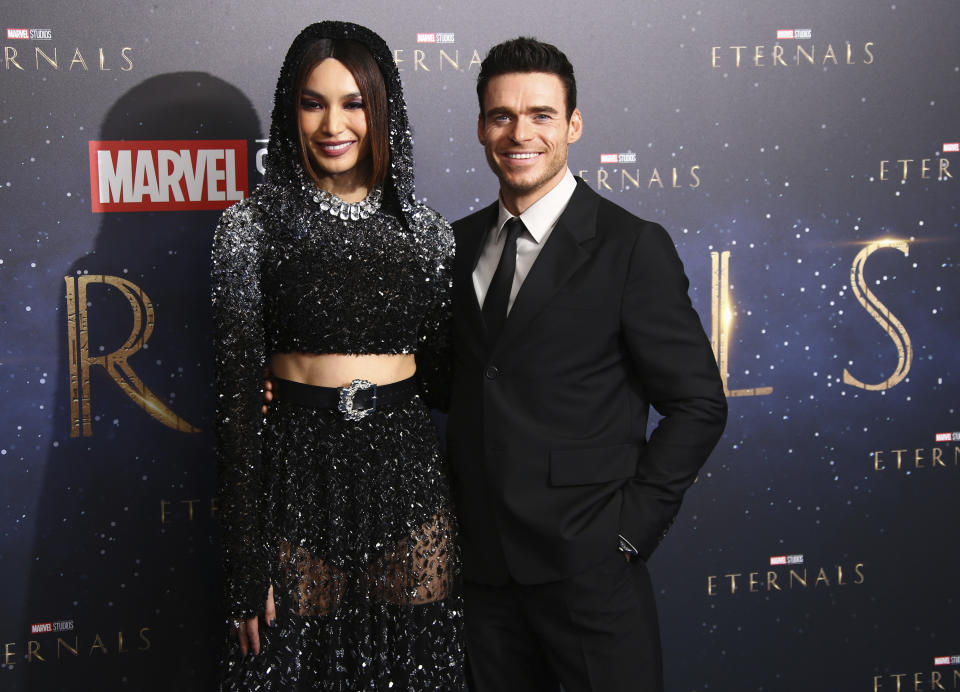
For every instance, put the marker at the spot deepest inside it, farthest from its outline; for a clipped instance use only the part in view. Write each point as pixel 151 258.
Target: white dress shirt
pixel 540 220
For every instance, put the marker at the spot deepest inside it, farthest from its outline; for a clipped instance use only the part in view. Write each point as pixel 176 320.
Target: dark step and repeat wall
pixel 804 157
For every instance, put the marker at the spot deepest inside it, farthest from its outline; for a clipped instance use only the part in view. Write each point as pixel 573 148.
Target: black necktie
pixel 498 294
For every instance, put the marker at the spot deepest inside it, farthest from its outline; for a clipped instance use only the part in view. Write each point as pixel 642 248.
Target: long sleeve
pixel 435 336
pixel 239 363
pixel 679 376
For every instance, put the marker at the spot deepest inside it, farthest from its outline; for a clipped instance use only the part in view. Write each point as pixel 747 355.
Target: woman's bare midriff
pixel 339 370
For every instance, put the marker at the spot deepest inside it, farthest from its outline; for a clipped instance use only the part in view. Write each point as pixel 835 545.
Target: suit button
pixel 492 372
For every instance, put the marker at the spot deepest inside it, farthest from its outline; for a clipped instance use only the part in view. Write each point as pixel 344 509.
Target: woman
pixel 338 532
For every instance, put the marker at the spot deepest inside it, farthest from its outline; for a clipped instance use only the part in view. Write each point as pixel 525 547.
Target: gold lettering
pixel 115 364
pixel 33 649
pixel 144 639
pixel 937 458
pixel 778 55
pixel 754 582
pixel 898 676
pixel 674 177
pixel 877 460
pixel 453 61
pixel 397 59
pixel 120 649
pixel 10 56
pixel 77 58
pixel 935 678
pixel 840 575
pixel 9 654
pixel 38 53
pixel 830 55
pixel 772 581
pixel 693 174
pixel 475 59
pixel 899 453
pixel 124 54
pixel 794 575
pixel 882 315
pixel 75 649
pixel 189 504
pixel 757 56
pixel 722 314
pixel 733 581
pixel 712 585
pixel 821 577
pixel 103 66
pixel 163 511
pixel 715 56
pixel 876 683
pixel 924 168
pixel 738 49
pixel 602 179
pixel 866 49
pixel 906 163
pixel 655 178
pixel 624 176
pixel 884 170
pixel 858 569
pixel 917 681
pixel 418 56
pixel 917 458
pixel 808 56
pixel 98 644
pixel 944 166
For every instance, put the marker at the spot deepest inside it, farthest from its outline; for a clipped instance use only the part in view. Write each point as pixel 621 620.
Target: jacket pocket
pixel 595 465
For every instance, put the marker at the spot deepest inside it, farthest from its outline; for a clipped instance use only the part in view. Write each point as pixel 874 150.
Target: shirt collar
pixel 543 214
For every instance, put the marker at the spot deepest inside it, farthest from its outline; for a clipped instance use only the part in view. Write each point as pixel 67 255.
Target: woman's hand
pixel 249 631
pixel 267 391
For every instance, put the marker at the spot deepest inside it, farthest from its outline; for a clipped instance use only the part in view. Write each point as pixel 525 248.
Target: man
pixel 568 326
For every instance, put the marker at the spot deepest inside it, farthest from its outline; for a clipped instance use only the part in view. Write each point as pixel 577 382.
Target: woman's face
pixel 333 127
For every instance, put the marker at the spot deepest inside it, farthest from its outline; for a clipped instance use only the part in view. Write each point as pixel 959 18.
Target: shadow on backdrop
pixel 126 542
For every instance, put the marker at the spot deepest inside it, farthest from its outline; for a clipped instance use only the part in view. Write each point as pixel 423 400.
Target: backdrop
pixel 804 157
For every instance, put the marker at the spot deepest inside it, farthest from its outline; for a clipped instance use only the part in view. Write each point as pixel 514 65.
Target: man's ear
pixel 575 126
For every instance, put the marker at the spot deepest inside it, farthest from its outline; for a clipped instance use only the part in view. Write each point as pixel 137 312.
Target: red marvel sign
pixel 167 175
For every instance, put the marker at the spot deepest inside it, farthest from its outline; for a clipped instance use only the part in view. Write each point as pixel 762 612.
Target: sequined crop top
pixel 333 285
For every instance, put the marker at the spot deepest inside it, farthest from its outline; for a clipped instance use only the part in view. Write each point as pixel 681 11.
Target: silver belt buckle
pixel 347 395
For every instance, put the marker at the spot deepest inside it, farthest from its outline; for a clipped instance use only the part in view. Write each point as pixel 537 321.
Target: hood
pixel 283 160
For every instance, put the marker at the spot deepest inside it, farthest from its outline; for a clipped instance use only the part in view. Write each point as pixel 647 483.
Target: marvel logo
pixel 951 147
pixel 18 34
pixel 609 158
pixel 437 37
pixel 167 175
pixel 786 560
pixel 41 627
pixel 794 33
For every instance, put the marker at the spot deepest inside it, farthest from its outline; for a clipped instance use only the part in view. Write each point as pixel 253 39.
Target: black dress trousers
pixel 593 632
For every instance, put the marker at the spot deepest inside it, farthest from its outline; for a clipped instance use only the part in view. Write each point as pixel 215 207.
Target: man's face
pixel 525 132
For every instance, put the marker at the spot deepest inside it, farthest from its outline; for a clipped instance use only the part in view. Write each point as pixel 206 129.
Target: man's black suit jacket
pixel 547 429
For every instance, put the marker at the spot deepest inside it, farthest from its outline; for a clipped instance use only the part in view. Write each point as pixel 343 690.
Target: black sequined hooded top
pixel 290 276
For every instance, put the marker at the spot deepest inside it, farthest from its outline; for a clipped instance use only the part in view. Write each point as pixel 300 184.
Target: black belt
pixel 354 401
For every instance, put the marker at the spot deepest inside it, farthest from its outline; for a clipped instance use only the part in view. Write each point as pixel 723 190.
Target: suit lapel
pixel 469 246
pixel 560 257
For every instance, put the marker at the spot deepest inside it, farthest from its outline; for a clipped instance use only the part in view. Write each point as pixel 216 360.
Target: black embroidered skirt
pixel 361 531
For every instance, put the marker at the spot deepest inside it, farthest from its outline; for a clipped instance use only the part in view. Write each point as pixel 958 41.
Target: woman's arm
pixel 237 308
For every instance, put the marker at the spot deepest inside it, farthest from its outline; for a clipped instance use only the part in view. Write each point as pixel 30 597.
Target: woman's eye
pixel 310 105
pixel 354 105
